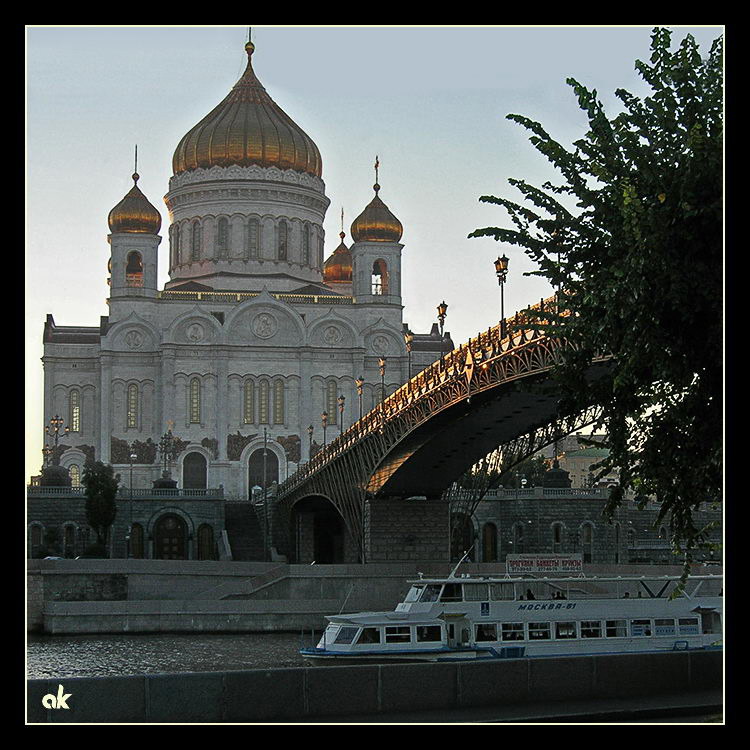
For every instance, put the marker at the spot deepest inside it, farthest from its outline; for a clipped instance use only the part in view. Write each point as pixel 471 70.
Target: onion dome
pixel 134 213
pixel 248 127
pixel 338 267
pixel 376 223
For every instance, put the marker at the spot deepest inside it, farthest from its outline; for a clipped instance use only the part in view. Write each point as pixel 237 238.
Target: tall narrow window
pixel 176 236
pixel 195 241
pixel 74 417
pixel 253 238
pixel 132 418
pixel 248 403
pixel 75 475
pixel 306 245
pixel 379 277
pixel 134 270
pixel 331 403
pixel 263 402
pixel 278 402
pixel 195 401
pixel 283 240
pixel 222 237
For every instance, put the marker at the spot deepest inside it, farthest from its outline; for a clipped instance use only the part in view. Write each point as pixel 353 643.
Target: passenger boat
pixel 460 618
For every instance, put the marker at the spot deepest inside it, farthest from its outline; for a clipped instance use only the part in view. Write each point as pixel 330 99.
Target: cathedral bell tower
pixel 134 240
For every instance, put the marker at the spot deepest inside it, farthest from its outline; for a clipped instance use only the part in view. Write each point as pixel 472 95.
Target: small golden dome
pixel 338 267
pixel 134 213
pixel 246 128
pixel 376 223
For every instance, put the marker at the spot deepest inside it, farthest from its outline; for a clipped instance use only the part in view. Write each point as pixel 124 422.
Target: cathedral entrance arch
pixel 170 538
pixel 194 471
pixel 255 469
pixel 319 532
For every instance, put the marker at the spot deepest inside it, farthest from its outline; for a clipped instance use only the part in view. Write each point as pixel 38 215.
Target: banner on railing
pixel 549 564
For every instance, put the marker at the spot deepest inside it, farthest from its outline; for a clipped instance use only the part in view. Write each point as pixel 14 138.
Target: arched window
pixel 557 538
pixel 136 541
pixel 74 408
pixel 380 277
pixel 253 238
pixel 132 406
pixel 248 403
pixel 282 247
pixel 206 542
pixel 222 237
pixel 278 402
pixel 176 244
pixel 306 245
pixel 263 402
pixel 134 269
pixel 194 471
pixel 489 543
pixel 196 240
pixel 587 542
pixel 331 401
pixel 195 401
pixel 75 475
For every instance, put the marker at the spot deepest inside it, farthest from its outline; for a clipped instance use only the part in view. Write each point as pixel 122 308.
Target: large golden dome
pixel 134 213
pixel 248 127
pixel 338 267
pixel 376 223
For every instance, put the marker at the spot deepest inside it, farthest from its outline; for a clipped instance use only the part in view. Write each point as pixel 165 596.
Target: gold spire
pixel 246 128
pixel 376 223
pixel 134 213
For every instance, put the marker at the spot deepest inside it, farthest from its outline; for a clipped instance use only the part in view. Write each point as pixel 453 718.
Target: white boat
pixel 470 618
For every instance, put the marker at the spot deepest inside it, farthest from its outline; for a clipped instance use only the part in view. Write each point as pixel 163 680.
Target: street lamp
pixel 501 269
pixel 309 442
pixel 442 309
pixel 381 365
pixel 360 382
pixel 53 430
pixel 341 401
pixel 408 339
pixel 324 420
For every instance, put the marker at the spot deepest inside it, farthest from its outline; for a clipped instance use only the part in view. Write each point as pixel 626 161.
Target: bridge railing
pixel 522 328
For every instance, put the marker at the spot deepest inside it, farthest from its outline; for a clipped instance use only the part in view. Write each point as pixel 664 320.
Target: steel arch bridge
pixel 480 402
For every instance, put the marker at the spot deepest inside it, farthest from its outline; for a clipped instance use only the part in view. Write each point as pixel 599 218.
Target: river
pixel 56 656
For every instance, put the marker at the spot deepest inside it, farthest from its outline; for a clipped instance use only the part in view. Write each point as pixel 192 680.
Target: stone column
pixel 222 403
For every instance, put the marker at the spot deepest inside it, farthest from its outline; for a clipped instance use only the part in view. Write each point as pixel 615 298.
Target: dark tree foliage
pixel 632 236
pixel 100 486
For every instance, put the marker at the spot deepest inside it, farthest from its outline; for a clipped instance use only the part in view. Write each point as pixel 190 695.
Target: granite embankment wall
pixel 120 596
pixel 376 691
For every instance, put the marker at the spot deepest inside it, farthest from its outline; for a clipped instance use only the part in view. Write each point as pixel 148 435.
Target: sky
pixel 429 102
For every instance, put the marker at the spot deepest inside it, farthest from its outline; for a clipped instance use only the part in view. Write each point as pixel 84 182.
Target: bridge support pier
pixel 408 529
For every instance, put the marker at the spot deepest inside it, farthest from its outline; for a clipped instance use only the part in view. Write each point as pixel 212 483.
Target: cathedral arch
pixel 335 331
pixel 194 468
pixel 133 334
pixel 194 327
pixel 171 537
pixel 280 323
pixel 275 459
pixel 206 543
pixel 134 269
pixel 379 277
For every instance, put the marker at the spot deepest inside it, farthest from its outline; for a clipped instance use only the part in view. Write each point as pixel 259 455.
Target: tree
pixel 631 238
pixel 100 486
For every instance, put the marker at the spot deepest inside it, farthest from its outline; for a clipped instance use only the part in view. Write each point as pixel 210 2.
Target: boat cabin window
pixel 429 633
pixel 615 629
pixel 640 627
pixel 414 594
pixel 512 631
pixel 398 634
pixel 539 631
pixel 689 626
pixel 451 593
pixel 502 592
pixel 591 629
pixel 486 632
pixel 369 635
pixel 346 635
pixel 664 627
pixel 565 630
pixel 430 593
pixel 476 592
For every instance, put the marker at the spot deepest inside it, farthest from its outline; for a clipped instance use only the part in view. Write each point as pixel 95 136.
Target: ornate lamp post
pixel 501 270
pixel 47 452
pixel 381 365
pixel 360 382
pixel 341 401
pixel 408 339
pixel 309 442
pixel 442 309
pixel 53 430
pixel 324 421
pixel 168 449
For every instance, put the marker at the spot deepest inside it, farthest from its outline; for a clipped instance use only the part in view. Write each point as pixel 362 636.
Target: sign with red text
pixel 548 565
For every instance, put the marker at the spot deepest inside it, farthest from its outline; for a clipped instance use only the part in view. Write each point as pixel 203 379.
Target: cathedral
pixel 258 350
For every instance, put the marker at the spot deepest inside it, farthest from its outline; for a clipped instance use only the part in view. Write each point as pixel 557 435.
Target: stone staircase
pixel 245 531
